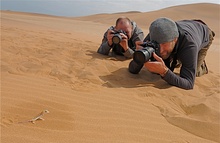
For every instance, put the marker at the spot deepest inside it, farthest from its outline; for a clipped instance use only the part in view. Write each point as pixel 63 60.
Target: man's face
pixel 166 49
pixel 126 27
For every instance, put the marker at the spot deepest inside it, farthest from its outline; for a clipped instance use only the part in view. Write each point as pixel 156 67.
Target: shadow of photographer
pixel 123 78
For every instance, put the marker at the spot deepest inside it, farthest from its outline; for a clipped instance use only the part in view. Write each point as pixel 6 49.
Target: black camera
pixel 116 39
pixel 143 55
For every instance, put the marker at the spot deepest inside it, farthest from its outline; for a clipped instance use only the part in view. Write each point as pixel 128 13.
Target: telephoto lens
pixel 143 55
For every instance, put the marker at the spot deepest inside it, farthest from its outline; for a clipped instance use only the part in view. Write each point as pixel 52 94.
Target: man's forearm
pixel 178 81
pixel 104 48
pixel 128 53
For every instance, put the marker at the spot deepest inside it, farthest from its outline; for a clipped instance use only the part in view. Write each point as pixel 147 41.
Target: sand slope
pixel 51 63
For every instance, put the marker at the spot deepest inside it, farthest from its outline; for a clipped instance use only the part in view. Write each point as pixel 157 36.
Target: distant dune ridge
pixel 190 11
pixel 50 63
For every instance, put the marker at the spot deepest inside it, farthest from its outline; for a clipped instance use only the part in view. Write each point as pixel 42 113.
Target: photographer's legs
pixel 201 65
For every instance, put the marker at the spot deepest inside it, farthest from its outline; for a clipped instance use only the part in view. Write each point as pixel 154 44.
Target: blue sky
pixel 72 8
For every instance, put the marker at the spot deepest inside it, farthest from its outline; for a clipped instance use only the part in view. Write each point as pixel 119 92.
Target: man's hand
pixel 124 41
pixel 109 36
pixel 157 66
pixel 138 45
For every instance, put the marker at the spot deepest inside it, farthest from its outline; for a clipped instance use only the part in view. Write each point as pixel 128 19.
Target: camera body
pixel 116 39
pixel 143 55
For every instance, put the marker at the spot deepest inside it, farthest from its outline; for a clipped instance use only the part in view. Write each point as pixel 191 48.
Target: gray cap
pixel 163 30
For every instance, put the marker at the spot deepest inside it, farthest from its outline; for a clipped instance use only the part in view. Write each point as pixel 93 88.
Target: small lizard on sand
pixel 38 117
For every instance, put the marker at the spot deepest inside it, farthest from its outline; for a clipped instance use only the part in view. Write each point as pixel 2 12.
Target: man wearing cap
pixel 185 42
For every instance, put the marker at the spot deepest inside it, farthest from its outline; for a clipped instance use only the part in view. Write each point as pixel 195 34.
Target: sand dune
pixel 50 62
pixel 207 12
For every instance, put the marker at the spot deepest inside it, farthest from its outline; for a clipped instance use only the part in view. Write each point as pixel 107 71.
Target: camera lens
pixel 139 57
pixel 143 55
pixel 116 39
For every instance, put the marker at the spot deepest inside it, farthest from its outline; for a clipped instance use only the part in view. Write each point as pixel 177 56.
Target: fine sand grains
pixel 51 63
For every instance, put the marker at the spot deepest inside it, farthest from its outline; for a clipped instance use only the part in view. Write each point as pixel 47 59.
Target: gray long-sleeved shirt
pixel 137 35
pixel 193 36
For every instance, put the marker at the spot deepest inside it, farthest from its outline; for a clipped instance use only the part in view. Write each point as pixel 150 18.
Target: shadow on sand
pixel 123 78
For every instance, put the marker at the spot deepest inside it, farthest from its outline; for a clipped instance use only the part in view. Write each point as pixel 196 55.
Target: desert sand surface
pixel 50 63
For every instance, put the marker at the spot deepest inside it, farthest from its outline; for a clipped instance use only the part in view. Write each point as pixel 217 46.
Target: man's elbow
pixel 100 51
pixel 189 86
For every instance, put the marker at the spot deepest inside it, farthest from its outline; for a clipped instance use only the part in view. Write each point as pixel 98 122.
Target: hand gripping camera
pixel 116 39
pixel 143 55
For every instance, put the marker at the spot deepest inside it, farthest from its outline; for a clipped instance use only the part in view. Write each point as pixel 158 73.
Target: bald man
pixel 129 33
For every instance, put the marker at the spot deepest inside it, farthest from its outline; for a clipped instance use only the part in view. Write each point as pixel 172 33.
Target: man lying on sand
pixel 183 42
pixel 121 38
